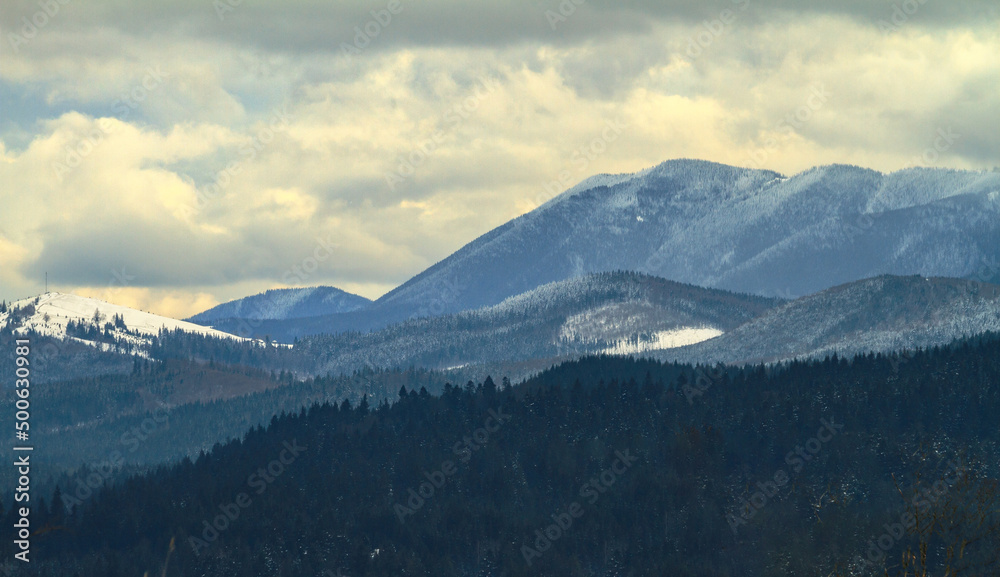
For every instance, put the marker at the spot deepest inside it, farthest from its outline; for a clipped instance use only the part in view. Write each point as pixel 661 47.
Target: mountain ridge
pixel 54 314
pixel 715 226
pixel 883 314
pixel 285 304
pixel 590 314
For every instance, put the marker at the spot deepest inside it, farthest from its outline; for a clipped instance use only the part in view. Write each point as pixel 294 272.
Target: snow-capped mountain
pixel 882 314
pixel 711 225
pixel 601 313
pixel 61 316
pixel 281 304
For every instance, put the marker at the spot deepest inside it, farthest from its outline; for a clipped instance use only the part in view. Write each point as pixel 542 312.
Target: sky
pixel 172 155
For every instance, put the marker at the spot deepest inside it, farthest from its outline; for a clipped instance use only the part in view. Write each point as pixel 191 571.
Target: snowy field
pixel 63 308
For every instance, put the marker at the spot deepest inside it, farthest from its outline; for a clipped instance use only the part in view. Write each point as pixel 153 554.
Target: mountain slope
pixel 882 314
pixel 600 313
pixel 719 226
pixel 656 485
pixel 284 304
pixel 60 315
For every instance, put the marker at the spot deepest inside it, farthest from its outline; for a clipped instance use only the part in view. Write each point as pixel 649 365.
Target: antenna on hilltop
pixel 46 282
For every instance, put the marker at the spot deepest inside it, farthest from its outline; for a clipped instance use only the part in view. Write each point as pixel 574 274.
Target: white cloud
pixel 142 196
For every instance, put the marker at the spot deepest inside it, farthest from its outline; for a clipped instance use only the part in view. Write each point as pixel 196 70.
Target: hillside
pixel 882 314
pixel 599 313
pixel 717 226
pixel 283 304
pixel 60 316
pixel 790 472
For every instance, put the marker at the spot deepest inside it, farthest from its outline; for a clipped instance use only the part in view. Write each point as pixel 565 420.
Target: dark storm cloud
pixel 314 26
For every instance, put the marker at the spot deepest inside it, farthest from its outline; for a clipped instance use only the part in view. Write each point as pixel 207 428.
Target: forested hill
pixel 604 466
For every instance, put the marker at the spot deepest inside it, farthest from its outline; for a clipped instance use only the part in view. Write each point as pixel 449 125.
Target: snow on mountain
pixel 603 312
pixel 51 314
pixel 284 304
pixel 711 225
pixel 881 314
pixel 662 340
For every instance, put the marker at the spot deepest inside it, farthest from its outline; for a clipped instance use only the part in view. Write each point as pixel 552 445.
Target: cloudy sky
pixel 171 155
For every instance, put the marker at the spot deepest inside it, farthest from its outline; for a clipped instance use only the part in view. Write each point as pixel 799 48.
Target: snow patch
pixel 663 340
pixel 60 309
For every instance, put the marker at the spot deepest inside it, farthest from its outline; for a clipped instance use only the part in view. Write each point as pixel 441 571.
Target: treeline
pixel 605 466
pixel 58 359
pixel 161 412
pixel 178 344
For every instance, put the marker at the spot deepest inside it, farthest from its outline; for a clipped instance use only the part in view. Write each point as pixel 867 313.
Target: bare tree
pixel 952 527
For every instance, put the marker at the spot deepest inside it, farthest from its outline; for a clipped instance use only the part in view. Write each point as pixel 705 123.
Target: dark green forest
pixel 604 466
pixel 161 412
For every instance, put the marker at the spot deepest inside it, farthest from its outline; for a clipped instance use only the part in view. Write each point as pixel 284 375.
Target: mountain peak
pixel 50 314
pixel 714 225
pixel 285 303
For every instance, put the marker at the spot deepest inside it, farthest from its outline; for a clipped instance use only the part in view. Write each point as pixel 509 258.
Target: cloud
pixel 311 26
pixel 212 156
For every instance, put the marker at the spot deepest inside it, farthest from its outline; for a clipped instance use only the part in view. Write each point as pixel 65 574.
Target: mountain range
pixel 688 262
pixel 881 314
pixel 700 261
pixel 710 225
pixel 602 313
pixel 621 313
pixel 738 229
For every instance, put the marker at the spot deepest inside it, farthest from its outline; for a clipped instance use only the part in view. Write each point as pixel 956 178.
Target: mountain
pixel 612 313
pixel 882 314
pixel 711 225
pixel 61 316
pixel 284 304
pixel 601 467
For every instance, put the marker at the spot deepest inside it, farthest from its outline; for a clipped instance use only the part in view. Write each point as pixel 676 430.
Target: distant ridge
pixel 881 314
pixel 283 304
pixel 50 314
